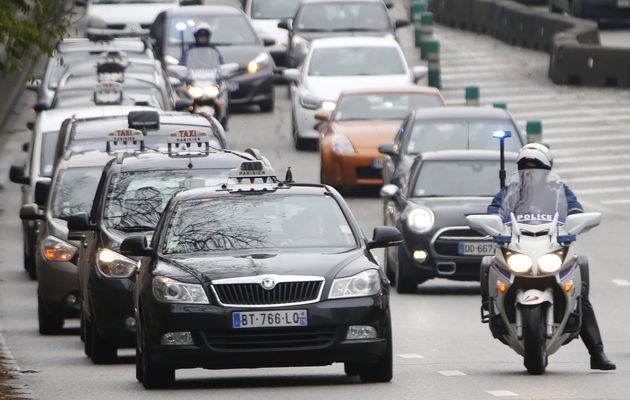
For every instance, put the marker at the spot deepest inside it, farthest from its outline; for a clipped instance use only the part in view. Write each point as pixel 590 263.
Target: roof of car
pixel 90 81
pixel 52 119
pixel 462 113
pixel 197 10
pixel 132 45
pixel 292 189
pixel 155 161
pixel 397 89
pixel 466 155
pixel 343 1
pixel 360 41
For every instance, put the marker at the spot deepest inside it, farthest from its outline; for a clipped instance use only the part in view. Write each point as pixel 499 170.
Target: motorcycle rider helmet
pixel 534 156
pixel 203 34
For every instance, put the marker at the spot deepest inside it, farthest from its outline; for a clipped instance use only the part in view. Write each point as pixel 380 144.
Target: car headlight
pixel 260 62
pixel 114 265
pixel 328 105
pixel 171 291
pixel 300 44
pixel 54 249
pixel 519 263
pixel 366 283
pixel 420 219
pixel 309 101
pixel 549 263
pixel 195 92
pixel 341 144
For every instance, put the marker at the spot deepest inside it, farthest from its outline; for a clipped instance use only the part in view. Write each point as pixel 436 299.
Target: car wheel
pixel 29 255
pixel 388 270
pixel 87 336
pixel 139 377
pixel 300 144
pixel 101 351
pixel 404 283
pixel 267 105
pixel 383 370
pixel 48 323
pixel 153 377
pixel 351 369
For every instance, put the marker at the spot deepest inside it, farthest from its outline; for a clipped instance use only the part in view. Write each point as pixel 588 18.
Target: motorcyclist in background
pixel 538 156
pixel 202 39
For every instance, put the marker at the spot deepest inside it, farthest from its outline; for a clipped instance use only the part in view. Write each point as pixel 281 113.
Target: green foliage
pixel 28 27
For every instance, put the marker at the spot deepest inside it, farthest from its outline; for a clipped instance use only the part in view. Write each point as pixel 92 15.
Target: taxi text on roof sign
pixel 189 136
pixel 125 135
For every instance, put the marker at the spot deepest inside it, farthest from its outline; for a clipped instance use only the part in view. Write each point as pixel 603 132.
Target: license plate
pixel 623 3
pixel 377 163
pixel 264 319
pixel 475 249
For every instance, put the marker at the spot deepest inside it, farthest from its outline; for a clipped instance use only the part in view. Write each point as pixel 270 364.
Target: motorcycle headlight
pixel 420 219
pixel 519 263
pixel 549 263
pixel 171 291
pixel 195 92
pixel 260 62
pixel 211 91
pixel 114 265
pixel 366 283
pixel 341 144
pixel 54 249
pixel 309 101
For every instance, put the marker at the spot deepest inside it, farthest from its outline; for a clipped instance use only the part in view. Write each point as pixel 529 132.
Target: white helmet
pixel 534 156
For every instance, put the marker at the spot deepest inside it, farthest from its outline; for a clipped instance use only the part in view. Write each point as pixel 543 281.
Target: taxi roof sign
pixel 108 92
pixel 125 137
pixel 252 176
pixel 185 139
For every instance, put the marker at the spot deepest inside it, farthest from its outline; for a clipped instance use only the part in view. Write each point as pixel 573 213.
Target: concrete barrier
pixel 576 57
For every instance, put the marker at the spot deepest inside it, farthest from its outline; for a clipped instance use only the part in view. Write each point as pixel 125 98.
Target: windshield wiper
pixel 139 228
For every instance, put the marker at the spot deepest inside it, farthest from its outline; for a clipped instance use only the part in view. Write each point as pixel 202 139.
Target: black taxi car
pixel 131 194
pixel 260 273
pixel 430 208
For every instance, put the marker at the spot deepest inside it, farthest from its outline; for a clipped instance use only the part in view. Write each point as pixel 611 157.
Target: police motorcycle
pixel 534 283
pixel 205 82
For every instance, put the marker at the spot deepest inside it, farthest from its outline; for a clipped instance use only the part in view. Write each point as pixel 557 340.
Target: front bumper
pixel 57 281
pixel 112 310
pixel 252 88
pixel 219 346
pixel 353 169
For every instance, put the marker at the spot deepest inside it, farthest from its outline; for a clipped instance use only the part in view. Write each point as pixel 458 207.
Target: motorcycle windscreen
pixel 535 196
pixel 203 58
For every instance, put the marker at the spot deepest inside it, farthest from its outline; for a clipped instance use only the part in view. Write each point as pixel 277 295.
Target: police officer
pixel 538 156
pixel 202 39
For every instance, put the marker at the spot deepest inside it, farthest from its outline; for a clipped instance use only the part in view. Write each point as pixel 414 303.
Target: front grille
pixel 253 294
pixel 270 338
pixel 447 243
pixel 369 173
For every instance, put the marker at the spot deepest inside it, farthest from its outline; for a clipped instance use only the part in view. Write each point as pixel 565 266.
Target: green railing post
pixel 534 131
pixel 426 32
pixel 500 104
pixel 472 96
pixel 415 15
pixel 433 56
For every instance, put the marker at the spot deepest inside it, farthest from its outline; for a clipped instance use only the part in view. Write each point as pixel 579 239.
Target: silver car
pixel 337 64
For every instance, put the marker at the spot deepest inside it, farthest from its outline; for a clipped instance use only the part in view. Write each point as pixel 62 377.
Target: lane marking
pixel 501 393
pixel 410 356
pixel 452 373
pixel 617 201
pixel 621 282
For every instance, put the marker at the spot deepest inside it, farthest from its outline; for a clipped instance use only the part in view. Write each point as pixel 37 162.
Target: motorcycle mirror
pixel 581 223
pixel 488 224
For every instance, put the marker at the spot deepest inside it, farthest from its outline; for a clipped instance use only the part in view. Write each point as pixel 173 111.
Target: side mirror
pixel 26 146
pixel 135 246
pixel 389 4
pixel 419 72
pixel 401 22
pixel 267 41
pixel 42 187
pixel 183 104
pixel 488 224
pixel 229 69
pixel 291 74
pixel 30 212
pixel 18 175
pixel 284 24
pixel 33 85
pixel 323 116
pixel 385 236
pixel 387 149
pixel 580 223
pixel 79 222
pixel 39 107
pixel 390 192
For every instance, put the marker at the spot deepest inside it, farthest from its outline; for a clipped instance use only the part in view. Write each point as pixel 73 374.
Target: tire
pixel 29 255
pixel 49 324
pixel 404 283
pixel 87 339
pixel 535 358
pixel 383 370
pixel 299 143
pixel 267 105
pixel 101 351
pixel 388 270
pixel 351 369
pixel 153 377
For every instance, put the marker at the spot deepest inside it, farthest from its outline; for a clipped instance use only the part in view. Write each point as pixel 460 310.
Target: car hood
pixel 241 54
pixel 310 36
pixel 329 87
pixel 211 267
pixel 128 13
pixel 367 134
pixel 269 28
pixel 452 211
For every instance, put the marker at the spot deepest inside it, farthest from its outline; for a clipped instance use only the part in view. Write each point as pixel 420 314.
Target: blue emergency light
pixel 180 26
pixel 501 134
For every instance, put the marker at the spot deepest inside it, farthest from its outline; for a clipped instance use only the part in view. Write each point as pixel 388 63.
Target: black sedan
pixel 258 273
pixel 236 40
pixel 430 212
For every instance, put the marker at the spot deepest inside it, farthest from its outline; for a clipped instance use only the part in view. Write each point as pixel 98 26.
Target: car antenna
pixel 288 178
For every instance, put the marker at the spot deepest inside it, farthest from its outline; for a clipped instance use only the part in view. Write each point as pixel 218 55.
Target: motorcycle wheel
pixel 535 359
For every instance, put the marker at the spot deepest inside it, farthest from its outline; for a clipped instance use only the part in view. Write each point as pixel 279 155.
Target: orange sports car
pixel 362 120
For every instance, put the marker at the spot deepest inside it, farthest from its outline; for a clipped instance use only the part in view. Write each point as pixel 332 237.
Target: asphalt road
pixel 441 349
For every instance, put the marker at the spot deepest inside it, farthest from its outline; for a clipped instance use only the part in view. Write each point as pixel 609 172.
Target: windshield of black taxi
pixel 260 223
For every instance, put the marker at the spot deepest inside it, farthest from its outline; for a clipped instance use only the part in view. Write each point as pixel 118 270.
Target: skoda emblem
pixel 268 283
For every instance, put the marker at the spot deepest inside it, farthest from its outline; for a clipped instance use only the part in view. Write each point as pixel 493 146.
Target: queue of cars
pixel 139 220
